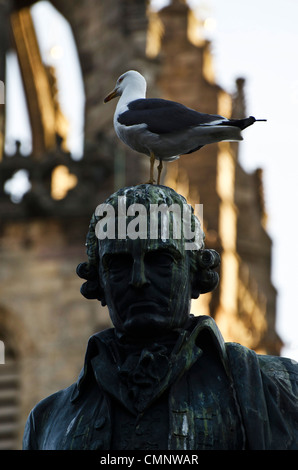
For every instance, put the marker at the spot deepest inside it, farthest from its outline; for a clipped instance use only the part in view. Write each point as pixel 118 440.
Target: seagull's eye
pixel 120 79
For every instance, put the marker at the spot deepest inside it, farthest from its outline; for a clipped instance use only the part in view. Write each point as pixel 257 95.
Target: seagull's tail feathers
pixel 203 135
pixel 243 123
pixel 228 130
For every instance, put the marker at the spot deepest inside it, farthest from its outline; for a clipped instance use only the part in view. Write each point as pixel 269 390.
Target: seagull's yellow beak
pixel 111 95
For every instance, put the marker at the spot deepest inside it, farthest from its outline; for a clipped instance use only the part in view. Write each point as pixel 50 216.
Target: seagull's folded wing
pixel 164 117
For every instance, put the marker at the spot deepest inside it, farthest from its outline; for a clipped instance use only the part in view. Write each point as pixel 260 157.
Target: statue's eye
pixel 118 262
pixel 159 259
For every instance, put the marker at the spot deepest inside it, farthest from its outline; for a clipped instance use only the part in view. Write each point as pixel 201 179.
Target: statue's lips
pixel 144 307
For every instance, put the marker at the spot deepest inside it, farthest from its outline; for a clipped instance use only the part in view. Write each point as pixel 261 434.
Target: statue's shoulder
pixel 267 391
pixel 279 368
pixel 276 367
pixel 68 395
pixel 46 405
pixel 43 415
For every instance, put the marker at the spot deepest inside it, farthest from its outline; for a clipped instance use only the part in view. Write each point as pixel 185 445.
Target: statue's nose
pixel 138 275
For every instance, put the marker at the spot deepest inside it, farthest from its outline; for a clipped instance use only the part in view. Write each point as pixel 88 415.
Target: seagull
pixel 164 129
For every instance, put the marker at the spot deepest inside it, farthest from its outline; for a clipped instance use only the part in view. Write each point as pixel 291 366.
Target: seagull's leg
pixel 160 166
pixel 152 160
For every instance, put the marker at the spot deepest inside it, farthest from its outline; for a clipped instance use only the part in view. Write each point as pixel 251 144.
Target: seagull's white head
pixel 129 80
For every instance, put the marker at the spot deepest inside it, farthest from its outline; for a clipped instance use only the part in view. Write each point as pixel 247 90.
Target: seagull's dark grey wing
pixel 163 116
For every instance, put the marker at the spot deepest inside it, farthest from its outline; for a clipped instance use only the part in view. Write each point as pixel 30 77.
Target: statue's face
pixel 146 286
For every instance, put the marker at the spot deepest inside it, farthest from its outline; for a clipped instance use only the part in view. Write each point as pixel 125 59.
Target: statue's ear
pixel 204 278
pixel 91 289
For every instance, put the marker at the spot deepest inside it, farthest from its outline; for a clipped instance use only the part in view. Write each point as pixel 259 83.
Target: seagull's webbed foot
pixel 149 182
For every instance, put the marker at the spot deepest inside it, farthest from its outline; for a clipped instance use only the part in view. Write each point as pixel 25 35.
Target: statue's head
pixel 146 260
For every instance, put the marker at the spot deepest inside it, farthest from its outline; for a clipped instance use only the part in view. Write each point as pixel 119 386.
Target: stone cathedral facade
pixel 45 323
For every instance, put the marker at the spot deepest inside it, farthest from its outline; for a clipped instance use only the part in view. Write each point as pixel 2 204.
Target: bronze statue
pixel 162 378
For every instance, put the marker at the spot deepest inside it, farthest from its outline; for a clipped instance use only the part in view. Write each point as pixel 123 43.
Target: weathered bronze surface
pixel 162 378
